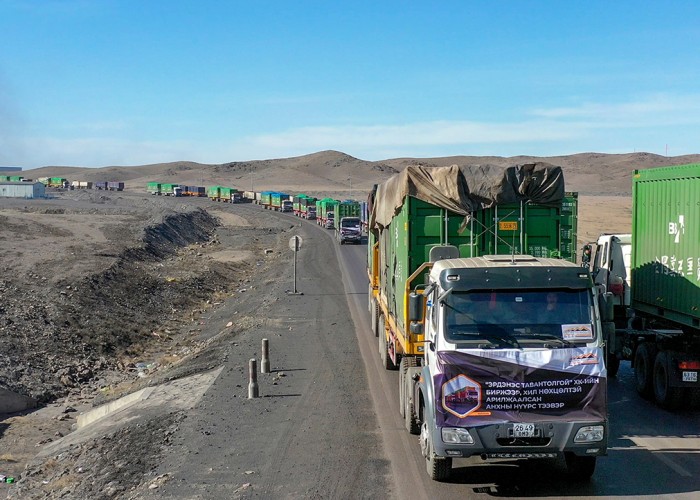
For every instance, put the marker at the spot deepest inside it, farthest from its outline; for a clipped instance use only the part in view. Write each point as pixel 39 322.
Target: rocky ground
pixel 103 293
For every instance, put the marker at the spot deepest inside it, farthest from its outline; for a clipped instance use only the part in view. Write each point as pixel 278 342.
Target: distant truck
pixel 349 230
pixel 303 205
pixel 277 200
pixel 325 212
pixel 309 212
pixel 653 276
pixel 224 194
pixel 500 353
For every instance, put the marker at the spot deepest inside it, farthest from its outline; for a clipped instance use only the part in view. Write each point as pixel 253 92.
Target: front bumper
pixel 496 441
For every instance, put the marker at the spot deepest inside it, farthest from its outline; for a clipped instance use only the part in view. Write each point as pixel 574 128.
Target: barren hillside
pixel 587 173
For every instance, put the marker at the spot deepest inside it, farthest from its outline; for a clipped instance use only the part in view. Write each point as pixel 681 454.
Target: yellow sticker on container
pixel 508 226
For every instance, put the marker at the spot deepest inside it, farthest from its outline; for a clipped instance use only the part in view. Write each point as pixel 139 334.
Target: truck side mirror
pixel 416 304
pixel 586 255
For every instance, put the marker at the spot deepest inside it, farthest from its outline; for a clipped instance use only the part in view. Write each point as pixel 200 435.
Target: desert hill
pixel 587 173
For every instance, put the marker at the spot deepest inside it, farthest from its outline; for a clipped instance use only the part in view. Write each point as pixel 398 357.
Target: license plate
pixel 523 430
pixel 690 376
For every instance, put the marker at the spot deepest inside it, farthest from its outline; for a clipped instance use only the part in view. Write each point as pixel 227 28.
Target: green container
pixel 153 187
pixel 347 209
pixel 665 244
pixel 324 206
pixel 4 178
pixel 214 192
pixel 507 229
pixel 296 202
pixel 168 188
pixel 276 199
pixel 266 198
pixel 225 193
pixel 16 178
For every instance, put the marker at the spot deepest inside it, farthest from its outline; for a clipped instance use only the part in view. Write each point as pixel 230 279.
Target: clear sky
pixel 128 82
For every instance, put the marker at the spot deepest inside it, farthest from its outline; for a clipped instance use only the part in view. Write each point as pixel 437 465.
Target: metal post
pixel 295 272
pixel 265 362
pixel 252 379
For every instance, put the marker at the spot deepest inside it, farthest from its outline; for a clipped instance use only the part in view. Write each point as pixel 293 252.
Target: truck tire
pixel 612 364
pixel 402 386
pixel 374 317
pixel 438 467
pixel 579 468
pixel 410 417
pixel 644 369
pixel 384 356
pixel 667 397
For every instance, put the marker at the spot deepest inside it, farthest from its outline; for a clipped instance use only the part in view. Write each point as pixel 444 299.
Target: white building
pixel 22 190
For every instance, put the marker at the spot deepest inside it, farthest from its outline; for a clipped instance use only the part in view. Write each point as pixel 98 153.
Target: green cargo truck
pixel 653 276
pixel 325 212
pixel 153 188
pixel 500 352
pixel 266 199
pixel 167 189
pixel 225 193
pixel 308 208
pixel 348 225
pixel 57 182
pixel 300 202
pixel 214 193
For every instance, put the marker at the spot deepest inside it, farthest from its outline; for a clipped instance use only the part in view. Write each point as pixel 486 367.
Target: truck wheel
pixel 409 412
pixel 613 364
pixel 666 396
pixel 579 468
pixel 387 363
pixel 643 369
pixel 402 386
pixel 438 467
pixel 374 317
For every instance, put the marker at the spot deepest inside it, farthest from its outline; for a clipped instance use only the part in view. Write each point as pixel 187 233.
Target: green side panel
pixel 16 178
pixel 539 230
pixel 266 197
pixel 213 191
pixel 665 243
pixel 569 227
pixel 346 209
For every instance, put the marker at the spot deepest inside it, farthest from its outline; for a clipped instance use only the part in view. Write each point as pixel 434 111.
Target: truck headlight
pixel 456 435
pixel 590 434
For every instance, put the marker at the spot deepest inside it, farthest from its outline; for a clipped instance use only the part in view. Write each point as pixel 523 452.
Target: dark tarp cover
pixel 468 188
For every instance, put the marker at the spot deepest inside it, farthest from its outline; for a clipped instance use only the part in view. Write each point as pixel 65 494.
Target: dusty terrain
pixel 104 292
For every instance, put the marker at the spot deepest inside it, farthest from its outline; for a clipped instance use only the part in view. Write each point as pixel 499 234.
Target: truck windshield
pixel 521 318
pixel 348 222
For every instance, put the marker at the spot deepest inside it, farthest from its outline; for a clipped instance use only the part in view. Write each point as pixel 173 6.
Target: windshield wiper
pixel 548 336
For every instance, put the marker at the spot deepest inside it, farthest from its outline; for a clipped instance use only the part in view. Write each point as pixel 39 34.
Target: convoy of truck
pixel 653 276
pixel 502 342
pixel 462 278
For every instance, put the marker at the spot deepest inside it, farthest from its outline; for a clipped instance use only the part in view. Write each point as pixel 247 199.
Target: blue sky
pixel 118 82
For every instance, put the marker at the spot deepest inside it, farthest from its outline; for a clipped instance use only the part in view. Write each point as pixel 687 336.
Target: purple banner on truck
pixel 488 387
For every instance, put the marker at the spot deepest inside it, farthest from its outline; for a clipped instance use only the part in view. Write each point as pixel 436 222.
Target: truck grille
pixel 533 441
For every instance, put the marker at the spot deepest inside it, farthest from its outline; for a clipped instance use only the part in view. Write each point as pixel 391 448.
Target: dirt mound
pixel 63 334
